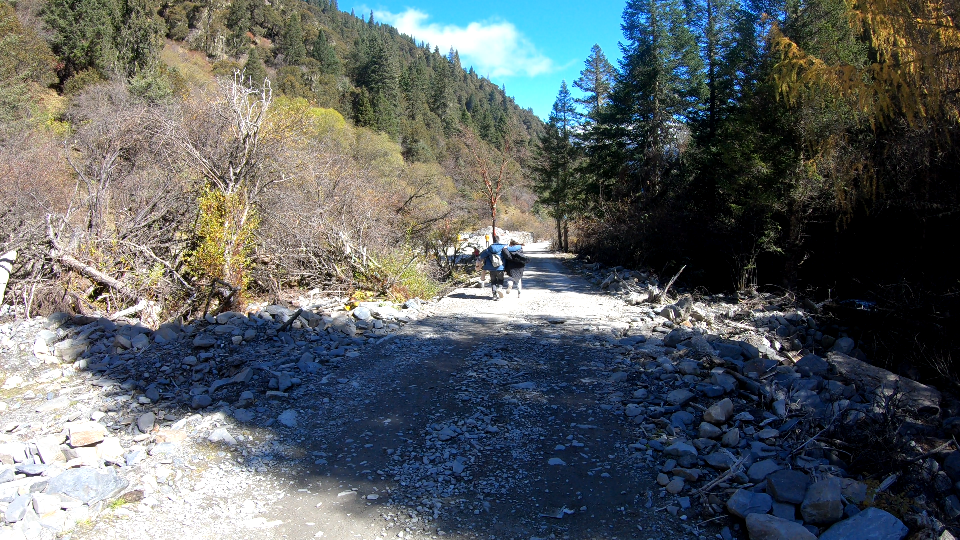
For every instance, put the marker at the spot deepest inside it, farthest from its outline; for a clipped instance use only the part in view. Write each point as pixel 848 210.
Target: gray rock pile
pixel 732 401
pixel 478 238
pixel 68 451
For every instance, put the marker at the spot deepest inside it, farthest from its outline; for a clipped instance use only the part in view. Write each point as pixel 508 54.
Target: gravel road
pixel 487 419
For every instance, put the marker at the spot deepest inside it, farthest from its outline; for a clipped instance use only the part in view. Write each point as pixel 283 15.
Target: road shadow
pixel 484 425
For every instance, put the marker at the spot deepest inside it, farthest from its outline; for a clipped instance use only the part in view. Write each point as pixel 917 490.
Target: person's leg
pixel 519 286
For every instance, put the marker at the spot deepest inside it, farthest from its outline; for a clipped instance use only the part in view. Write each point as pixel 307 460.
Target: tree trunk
pixel 559 235
pixel 566 237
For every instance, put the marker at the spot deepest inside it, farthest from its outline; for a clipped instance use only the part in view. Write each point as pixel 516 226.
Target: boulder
pixel 870 524
pixel 788 486
pixel 88 485
pixel 743 503
pixel 823 503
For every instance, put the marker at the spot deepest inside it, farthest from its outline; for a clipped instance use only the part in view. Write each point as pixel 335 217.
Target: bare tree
pixel 489 170
pixel 222 140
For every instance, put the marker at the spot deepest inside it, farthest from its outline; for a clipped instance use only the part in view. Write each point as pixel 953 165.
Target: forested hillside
pixel 150 151
pixel 810 145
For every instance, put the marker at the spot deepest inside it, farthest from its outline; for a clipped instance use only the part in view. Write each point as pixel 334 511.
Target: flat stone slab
pixel 88 485
pixel 767 527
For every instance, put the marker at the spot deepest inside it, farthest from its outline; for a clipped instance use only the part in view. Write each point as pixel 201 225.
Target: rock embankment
pixel 744 408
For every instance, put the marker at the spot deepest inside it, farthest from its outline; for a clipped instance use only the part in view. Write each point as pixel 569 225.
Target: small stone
pixel 709 431
pixel 134 455
pixel 87 485
pixel 767 527
pixel 288 418
pixel 45 504
pixel 49 449
pixel 203 341
pixel 675 486
pixel 243 415
pixel 663 479
pixel 632 409
pixel 221 435
pixel 200 401
pixel 719 412
pixel 721 461
pixel 759 470
pixel 85 433
pixel 731 438
pixel 146 421
pixel 854 491
pixel 17 509
pixel 556 461
pixel 140 342
pixel 164 450
pixel 680 397
pixel 110 450
pixel 246 399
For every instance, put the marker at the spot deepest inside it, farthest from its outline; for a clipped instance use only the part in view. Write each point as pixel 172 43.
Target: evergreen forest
pixel 803 147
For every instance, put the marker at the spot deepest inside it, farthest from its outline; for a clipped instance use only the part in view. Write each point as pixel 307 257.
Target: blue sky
pixel 529 46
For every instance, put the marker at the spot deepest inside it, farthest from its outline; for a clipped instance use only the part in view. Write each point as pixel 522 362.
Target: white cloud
pixel 493 48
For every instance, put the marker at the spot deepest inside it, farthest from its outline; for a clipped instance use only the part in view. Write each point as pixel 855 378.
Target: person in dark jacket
pixel 514 267
pixel 496 271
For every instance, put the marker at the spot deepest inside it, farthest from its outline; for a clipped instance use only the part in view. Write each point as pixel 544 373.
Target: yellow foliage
pixel 378 152
pixel 225 236
pixel 914 73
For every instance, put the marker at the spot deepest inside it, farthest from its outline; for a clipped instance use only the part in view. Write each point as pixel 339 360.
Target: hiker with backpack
pixel 514 267
pixel 493 261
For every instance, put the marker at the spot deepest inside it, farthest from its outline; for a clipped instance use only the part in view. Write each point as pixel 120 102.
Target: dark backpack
pixel 518 258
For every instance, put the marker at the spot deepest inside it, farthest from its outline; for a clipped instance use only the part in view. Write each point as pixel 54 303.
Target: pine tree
pixel 555 167
pixel 254 70
pixel 140 36
pixel 84 34
pixel 293 49
pixel 238 22
pixel 596 81
pixel 324 53
pixel 661 85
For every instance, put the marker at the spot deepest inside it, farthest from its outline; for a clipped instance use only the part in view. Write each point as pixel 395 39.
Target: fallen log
pixel 60 255
pixel 911 393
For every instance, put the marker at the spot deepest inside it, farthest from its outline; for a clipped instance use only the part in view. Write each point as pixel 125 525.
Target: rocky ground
pixel 585 408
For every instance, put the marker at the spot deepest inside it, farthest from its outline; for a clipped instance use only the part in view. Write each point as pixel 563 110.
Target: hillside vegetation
pixel 160 154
